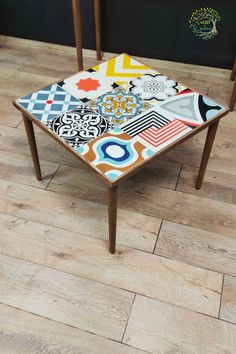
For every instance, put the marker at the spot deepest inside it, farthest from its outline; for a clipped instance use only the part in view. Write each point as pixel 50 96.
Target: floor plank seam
pixel 157 237
pixel 181 167
pixel 222 289
pixel 128 318
pixel 17 126
pixel 53 175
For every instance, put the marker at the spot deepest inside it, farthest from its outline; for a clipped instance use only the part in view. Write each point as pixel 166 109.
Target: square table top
pixel 119 114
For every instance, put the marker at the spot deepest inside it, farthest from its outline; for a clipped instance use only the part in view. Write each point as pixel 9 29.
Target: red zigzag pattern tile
pixel 158 137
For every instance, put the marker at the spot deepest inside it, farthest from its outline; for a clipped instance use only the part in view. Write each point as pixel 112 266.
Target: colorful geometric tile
pixel 79 126
pixel 154 88
pixel 118 106
pixel 158 139
pixel 48 102
pixel 122 69
pixel 191 108
pixel 87 85
pixel 114 153
pixel 155 130
pixel 148 119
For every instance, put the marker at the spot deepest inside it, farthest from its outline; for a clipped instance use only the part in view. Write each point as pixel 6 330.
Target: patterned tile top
pixel 119 113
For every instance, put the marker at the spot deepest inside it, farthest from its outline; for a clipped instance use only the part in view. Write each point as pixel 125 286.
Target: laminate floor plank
pixel 162 328
pixel 37 335
pixel 217 185
pixel 178 207
pixel 78 182
pixel 69 213
pixel 18 168
pixel 228 304
pixel 65 298
pixel 198 247
pixel 222 155
pixel 129 269
pixel 14 140
pixel 182 208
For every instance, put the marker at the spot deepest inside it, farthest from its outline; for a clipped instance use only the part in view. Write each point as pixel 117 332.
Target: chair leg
pixel 97 15
pixel 112 216
pixel 206 152
pixel 33 147
pixel 76 11
pixel 233 98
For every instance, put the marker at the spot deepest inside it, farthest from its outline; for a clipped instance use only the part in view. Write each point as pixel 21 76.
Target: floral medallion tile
pixel 118 106
pixel 114 153
pixel 49 102
pixel 154 88
pixel 87 85
pixel 79 126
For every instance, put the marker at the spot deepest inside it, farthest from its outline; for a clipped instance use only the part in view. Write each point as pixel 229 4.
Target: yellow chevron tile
pixel 122 68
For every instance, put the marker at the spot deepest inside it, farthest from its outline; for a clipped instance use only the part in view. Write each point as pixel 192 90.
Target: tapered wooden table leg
pixel 112 215
pixel 97 15
pixel 76 11
pixel 206 152
pixel 233 72
pixel 33 147
pixel 233 98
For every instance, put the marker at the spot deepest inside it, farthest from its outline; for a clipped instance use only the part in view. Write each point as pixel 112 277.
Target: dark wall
pixel 149 28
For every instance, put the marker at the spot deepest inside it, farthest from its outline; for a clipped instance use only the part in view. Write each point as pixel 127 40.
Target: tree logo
pixel 203 23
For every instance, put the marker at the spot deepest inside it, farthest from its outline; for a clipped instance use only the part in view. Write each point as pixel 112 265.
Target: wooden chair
pixel 76 11
pixel 233 96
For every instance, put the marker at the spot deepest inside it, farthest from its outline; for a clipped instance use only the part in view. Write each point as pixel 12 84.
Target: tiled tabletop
pixel 119 113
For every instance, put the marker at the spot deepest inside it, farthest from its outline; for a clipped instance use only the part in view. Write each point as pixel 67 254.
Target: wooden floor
pixel 171 286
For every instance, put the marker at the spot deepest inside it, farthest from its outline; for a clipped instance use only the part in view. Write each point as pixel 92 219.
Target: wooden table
pixel 76 11
pixel 118 117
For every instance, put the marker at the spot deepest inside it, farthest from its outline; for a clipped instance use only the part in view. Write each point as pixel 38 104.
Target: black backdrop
pixel 150 28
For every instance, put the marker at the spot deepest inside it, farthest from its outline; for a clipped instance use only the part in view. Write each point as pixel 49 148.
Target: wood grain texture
pixel 163 328
pixel 64 297
pixel 228 304
pixel 204 213
pixel 37 335
pixel 133 270
pixel 14 140
pixel 161 173
pixel 217 185
pixel 18 168
pixel 198 247
pixel 223 152
pixel 183 208
pixel 69 213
